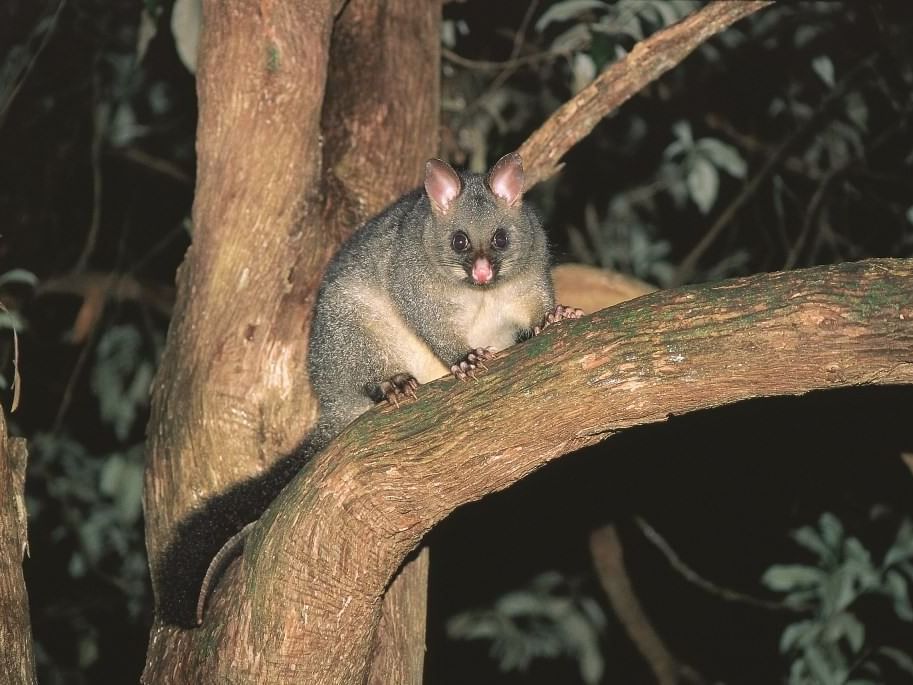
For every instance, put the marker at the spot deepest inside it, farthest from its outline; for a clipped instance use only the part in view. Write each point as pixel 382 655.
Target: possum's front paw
pixel 473 360
pixel 398 387
pixel 559 313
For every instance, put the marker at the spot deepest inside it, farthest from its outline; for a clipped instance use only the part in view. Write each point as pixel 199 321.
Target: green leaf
pixel 723 156
pixel 122 480
pixel 857 111
pixel 821 667
pixel 569 9
pixel 798 635
pixel 703 183
pixel 811 539
pixel 12 320
pixel 121 378
pixel 901 659
pixel 823 66
pixel 845 625
pixel 788 577
pixel 853 549
pixel 682 130
pixel 831 530
pixel 902 549
pixel 186 18
pixel 19 276
pixel 896 586
pixel 839 591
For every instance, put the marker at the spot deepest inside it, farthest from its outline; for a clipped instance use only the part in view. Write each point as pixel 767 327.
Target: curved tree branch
pixel 331 542
pixel 647 61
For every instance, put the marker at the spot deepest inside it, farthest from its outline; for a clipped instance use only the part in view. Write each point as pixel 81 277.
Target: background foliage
pixel 782 143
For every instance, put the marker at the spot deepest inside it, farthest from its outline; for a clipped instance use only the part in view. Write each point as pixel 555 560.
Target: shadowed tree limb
pixel 608 558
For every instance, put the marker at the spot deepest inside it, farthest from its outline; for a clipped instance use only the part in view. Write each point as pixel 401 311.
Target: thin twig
pixel 163 166
pixel 512 64
pixel 694 578
pixel 119 287
pixel 488 65
pixel 45 39
pixel 99 129
pixel 520 35
pixel 608 558
pixel 67 397
pixel 813 212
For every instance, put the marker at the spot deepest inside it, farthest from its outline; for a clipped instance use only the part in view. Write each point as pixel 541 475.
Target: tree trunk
pixel 17 662
pixel 313 116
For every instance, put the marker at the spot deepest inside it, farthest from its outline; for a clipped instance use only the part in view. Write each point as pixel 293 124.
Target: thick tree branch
pixel 393 474
pixel 313 116
pixel 17 662
pixel 226 398
pixel 650 59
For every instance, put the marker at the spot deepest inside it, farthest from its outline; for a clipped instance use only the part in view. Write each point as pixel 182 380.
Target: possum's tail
pixel 212 536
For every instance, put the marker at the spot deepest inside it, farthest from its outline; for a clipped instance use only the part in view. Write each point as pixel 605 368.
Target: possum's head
pixel 480 232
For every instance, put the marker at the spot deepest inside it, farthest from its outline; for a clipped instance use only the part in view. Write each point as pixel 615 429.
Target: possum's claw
pixel 397 387
pixel 473 360
pixel 559 313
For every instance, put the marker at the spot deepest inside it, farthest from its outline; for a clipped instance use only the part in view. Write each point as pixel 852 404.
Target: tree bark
pixel 332 541
pixel 402 626
pixel 17 661
pixel 313 116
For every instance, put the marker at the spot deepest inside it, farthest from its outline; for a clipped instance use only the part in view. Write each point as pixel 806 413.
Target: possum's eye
pixel 459 241
pixel 499 239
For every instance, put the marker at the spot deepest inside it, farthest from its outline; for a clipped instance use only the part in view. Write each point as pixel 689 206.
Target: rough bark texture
pixel 283 177
pixel 402 627
pixel 17 662
pixel 332 541
pixel 647 61
pixel 227 397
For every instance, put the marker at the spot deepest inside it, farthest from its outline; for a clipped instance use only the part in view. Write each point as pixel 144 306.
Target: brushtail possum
pixel 436 283
pixel 443 278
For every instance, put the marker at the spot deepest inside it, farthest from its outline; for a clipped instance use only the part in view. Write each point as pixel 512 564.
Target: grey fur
pixel 401 264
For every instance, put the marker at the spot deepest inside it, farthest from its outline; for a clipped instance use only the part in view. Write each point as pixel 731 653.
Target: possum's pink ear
pixel 506 178
pixel 442 185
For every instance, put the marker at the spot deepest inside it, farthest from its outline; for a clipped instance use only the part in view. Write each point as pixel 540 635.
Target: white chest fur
pixel 491 317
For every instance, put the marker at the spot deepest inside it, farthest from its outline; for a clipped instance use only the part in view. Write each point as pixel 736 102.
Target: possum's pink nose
pixel 481 271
